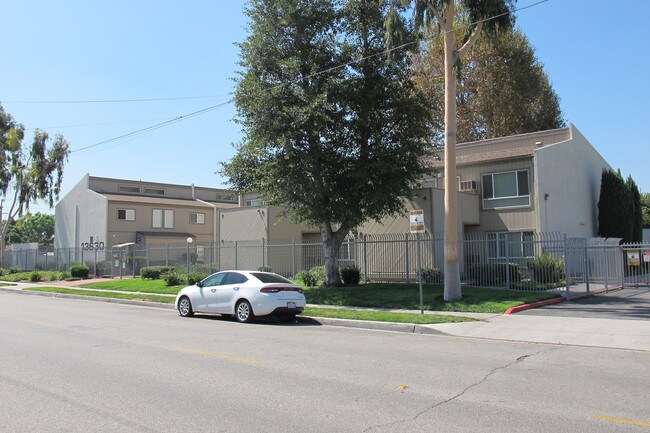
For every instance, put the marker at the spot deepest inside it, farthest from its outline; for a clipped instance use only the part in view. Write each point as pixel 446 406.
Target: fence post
pixel 293 256
pixel 566 264
pixel 263 254
pixel 133 261
pixel 408 265
pixel 365 256
pixel 507 262
pixel 236 255
pixel 606 255
pixel 586 262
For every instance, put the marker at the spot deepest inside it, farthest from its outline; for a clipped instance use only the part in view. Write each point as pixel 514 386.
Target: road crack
pixel 465 390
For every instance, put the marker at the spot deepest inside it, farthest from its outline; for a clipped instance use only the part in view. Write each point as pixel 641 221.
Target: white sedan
pixel 244 294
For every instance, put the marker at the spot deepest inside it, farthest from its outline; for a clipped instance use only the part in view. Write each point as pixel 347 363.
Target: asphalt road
pixel 626 304
pixel 78 366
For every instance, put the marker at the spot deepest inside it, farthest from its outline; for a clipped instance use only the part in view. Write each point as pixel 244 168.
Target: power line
pixel 315 74
pixel 154 127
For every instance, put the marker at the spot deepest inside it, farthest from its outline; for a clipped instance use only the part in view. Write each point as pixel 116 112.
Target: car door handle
pixel 213 290
pixel 236 289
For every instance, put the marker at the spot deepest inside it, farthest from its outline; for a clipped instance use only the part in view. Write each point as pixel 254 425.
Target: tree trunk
pixel 332 241
pixel 452 289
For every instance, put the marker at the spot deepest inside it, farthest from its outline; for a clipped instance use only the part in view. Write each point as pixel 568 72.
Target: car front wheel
pixel 185 307
pixel 244 312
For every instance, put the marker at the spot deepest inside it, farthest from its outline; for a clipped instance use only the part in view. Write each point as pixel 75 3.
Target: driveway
pixel 626 304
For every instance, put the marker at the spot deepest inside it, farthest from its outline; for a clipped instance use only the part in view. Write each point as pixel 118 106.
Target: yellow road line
pixel 217 355
pixel 624 421
pixel 36 322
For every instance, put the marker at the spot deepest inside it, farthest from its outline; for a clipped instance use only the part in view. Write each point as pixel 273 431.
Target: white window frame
pixel 496 247
pixel 199 218
pixel 254 202
pixel 496 200
pixel 165 216
pixel 127 212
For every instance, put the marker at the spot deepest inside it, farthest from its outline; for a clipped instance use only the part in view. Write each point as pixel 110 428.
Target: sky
pixel 98 71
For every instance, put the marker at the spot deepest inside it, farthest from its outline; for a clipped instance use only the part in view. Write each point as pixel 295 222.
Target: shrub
pixel 432 276
pixel 265 269
pixel 546 269
pixel 351 275
pixel 319 273
pixel 103 267
pixel 35 277
pixel 307 277
pixel 194 277
pixel 172 278
pixel 494 274
pixel 79 271
pixel 154 272
pixel 13 270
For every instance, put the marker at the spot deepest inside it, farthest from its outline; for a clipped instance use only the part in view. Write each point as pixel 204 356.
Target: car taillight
pixel 280 289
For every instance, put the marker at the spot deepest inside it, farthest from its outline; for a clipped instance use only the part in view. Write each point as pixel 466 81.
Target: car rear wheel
pixel 185 307
pixel 244 312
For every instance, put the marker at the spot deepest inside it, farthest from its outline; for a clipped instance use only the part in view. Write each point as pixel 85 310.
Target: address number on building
pixel 93 246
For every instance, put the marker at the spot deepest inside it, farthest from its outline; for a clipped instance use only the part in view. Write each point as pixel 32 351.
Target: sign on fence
pixel 633 258
pixel 416 219
pixel 646 256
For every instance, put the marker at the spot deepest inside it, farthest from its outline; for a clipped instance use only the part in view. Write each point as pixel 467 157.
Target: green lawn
pixel 406 296
pixel 135 285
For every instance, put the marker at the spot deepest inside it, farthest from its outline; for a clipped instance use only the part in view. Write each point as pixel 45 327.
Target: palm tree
pixel 439 15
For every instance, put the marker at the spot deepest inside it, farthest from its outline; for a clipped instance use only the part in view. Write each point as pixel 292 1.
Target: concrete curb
pixel 409 328
pixel 519 308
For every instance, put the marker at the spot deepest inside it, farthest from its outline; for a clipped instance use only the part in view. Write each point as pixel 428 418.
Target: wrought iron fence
pixel 521 261
pixel 636 257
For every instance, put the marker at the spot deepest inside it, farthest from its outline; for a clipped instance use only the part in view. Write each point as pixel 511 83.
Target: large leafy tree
pixel 38 227
pixel 333 132
pixel 502 87
pixel 439 16
pixel 28 172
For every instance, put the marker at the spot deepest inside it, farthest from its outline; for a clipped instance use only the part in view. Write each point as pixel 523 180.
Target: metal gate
pixel 636 262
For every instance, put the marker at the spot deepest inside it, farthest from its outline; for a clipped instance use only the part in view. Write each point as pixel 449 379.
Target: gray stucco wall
pixel 567 179
pixel 80 215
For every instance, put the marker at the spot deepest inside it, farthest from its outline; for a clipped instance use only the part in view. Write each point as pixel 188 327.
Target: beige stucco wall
pixel 568 178
pixel 516 219
pixel 126 230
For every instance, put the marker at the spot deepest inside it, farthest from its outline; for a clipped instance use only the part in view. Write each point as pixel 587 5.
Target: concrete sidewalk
pixel 615 333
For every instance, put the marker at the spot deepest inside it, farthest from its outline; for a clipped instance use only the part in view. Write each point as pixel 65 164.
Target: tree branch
pixel 471 41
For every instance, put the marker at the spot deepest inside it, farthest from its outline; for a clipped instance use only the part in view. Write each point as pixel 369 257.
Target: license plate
pixel 291 305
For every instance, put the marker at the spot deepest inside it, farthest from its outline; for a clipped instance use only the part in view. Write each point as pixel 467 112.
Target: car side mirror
pixel 199 284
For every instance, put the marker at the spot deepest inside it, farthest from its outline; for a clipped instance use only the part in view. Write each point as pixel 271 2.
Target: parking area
pixel 627 304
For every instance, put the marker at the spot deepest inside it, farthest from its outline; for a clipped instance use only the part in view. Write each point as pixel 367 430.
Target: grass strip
pixel 406 296
pixel 135 285
pixel 137 297
pixel 382 316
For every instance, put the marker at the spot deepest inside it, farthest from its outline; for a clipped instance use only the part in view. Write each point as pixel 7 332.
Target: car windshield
pixel 270 278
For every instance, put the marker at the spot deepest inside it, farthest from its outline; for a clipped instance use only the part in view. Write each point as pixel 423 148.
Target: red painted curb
pixel 523 307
